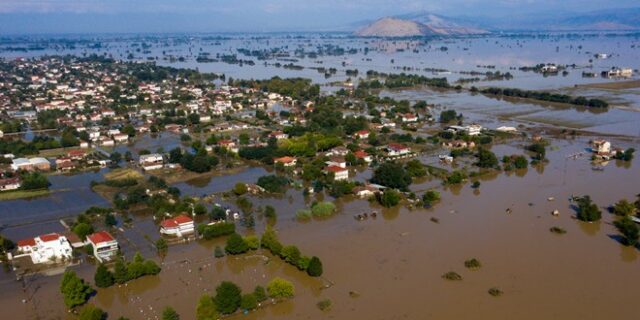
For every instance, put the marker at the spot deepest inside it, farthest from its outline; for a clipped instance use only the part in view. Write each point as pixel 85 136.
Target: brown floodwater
pixel 395 262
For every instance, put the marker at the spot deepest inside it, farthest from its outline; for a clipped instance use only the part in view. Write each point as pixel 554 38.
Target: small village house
pixel 179 226
pixel 105 246
pixel 48 248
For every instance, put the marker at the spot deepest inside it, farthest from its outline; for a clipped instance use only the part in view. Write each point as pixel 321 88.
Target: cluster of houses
pixel 602 150
pixel 56 248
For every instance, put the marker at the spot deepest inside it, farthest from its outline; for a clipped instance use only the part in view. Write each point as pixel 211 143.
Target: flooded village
pixel 299 176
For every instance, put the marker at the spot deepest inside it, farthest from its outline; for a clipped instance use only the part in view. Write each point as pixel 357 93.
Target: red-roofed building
pixel 105 246
pixel 395 150
pixel 339 173
pixel 178 226
pixel 362 134
pixel 286 161
pixel 47 248
pixel 361 154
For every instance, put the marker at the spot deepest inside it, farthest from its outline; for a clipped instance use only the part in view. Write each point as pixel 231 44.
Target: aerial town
pixel 304 175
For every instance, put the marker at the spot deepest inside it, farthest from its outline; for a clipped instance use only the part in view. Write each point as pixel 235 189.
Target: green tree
pixel 110 220
pixel 206 309
pixel 486 158
pixel 162 246
pixel 415 168
pixel 270 213
pixel 392 175
pixel 227 298
pixel 91 312
pixel 74 289
pixel 629 230
pixel 240 188
pixel 169 313
pixel 82 230
pixel 587 210
pixel 279 288
pixel 624 208
pixel 260 293
pixel 248 302
pixel 315 267
pixel 520 162
pixel 103 277
pixel 120 273
pixel 236 244
pixel 389 198
pixel 429 197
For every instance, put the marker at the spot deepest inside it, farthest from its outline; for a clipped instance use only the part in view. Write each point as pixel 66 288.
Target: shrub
pixel 324 305
pixel 323 209
pixel 236 244
pixel 587 210
pixel 303 214
pixel 624 208
pixel 273 183
pixel 558 230
pixel 248 302
pixel 453 276
pixel 227 298
pixel 628 229
pixel 389 198
pixel 495 292
pixel 74 289
pixel 473 264
pixel 260 293
pixel 170 314
pixel 253 242
pixel 315 267
pixel 103 277
pixel 218 252
pixel 216 230
pixel 91 312
pixel 279 288
pixel 206 309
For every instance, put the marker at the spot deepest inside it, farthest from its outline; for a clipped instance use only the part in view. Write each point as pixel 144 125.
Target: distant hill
pixel 421 24
pixel 430 24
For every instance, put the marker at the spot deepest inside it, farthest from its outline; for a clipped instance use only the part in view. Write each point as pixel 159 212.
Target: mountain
pixel 419 24
pixel 430 24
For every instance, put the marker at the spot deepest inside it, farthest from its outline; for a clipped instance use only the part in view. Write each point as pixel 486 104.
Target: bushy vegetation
pixel 389 198
pixel 279 288
pixel 452 275
pixel 74 289
pixel 216 230
pixel 290 254
pixel 629 230
pixel 126 271
pixel 546 96
pixel 273 183
pixel 392 175
pixel 587 210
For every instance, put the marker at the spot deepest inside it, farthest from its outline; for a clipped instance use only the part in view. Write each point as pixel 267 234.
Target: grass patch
pixel 473 264
pixel 495 292
pixel 22 194
pixel 123 173
pixel 452 276
pixel 557 230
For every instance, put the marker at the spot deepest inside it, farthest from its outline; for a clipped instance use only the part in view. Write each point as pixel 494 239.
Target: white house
pixel 46 248
pixel 395 150
pixel 286 161
pixel 152 161
pixel 472 130
pixel 409 117
pixel 601 147
pixel 105 247
pixel 10 184
pixel 179 226
pixel 338 172
pixel 362 134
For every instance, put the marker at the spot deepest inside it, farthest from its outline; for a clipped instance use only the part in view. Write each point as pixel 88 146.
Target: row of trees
pixel 291 254
pixel 125 271
pixel 546 96
pixel 229 298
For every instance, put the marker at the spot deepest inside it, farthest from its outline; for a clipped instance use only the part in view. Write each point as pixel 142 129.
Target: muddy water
pixel 395 262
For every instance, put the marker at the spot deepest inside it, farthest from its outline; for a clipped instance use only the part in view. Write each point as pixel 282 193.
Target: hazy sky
pixel 40 16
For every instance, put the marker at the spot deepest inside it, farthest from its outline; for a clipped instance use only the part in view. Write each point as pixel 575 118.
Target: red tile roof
pixel 335 169
pixel 27 242
pixel 174 222
pixel 284 159
pixel 49 237
pixel 100 237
